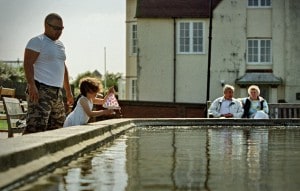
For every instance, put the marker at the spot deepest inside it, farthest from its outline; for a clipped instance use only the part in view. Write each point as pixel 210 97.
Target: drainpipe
pixel 209 53
pixel 174 61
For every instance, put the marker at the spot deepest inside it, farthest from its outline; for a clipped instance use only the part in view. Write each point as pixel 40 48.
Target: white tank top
pixel 49 67
pixel 78 115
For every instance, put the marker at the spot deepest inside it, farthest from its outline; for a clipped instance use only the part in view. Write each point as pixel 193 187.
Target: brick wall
pixel 142 109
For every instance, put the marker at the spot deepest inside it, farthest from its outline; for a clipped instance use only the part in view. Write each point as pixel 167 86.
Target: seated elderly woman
pixel 255 106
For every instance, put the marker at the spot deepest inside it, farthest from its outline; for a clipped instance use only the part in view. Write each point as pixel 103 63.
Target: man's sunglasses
pixel 57 28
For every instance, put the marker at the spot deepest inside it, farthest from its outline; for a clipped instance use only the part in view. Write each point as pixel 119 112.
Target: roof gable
pixel 174 8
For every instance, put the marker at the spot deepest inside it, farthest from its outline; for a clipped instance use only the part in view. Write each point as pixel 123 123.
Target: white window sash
pixel 259 3
pixel 190 37
pixel 133 40
pixel 133 89
pixel 259 51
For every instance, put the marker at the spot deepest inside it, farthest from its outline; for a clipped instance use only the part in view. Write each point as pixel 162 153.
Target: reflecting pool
pixel 185 158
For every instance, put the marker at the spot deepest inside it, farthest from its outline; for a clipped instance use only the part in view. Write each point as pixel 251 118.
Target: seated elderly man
pixel 226 106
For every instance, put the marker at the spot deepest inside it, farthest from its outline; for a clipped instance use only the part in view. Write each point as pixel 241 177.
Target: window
pixel 133 39
pixel 190 37
pixel 259 51
pixel 259 3
pixel 133 89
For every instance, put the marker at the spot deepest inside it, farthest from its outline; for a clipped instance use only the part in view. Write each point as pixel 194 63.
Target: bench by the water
pixel 14 112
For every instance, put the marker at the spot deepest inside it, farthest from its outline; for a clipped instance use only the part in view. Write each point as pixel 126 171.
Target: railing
pixel 284 110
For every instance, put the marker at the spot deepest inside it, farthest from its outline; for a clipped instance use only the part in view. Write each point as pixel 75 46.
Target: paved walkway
pixel 3 135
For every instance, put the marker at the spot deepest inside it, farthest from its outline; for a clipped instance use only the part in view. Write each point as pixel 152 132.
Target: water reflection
pixel 173 159
pixel 216 159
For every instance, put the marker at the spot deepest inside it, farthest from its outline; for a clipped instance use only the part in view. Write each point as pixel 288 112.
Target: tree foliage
pixel 110 79
pixel 11 73
pixel 80 76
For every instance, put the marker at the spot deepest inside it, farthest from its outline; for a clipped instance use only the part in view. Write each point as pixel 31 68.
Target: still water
pixel 185 158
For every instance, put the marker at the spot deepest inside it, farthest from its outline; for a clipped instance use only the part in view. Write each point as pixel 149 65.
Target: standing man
pixel 46 74
pixel 226 106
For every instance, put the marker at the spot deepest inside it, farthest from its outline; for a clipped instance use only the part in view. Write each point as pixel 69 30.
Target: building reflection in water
pixel 187 158
pixel 201 159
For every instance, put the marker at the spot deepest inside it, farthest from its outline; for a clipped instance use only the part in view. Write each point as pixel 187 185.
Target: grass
pixel 3 125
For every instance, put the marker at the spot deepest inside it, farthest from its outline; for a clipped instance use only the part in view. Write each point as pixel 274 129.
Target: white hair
pixel 254 87
pixel 226 87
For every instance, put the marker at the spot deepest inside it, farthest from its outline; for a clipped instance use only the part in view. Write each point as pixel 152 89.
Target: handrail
pixel 284 110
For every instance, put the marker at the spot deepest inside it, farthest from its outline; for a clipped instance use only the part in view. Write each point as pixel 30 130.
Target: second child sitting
pixel 83 111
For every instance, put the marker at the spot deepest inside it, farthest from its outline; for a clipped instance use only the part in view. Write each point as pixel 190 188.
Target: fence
pixel 284 110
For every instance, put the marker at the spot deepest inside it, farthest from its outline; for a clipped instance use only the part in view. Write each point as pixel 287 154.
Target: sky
pixel 94 33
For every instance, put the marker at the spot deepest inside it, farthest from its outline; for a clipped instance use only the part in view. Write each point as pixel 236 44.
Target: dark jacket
pixel 247 106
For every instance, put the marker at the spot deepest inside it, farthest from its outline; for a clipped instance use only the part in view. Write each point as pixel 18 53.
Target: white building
pixel 253 42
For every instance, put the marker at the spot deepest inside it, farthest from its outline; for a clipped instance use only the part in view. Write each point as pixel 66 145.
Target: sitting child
pixel 89 87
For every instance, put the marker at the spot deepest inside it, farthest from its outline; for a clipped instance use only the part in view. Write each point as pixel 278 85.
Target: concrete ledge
pixel 25 158
pixel 220 122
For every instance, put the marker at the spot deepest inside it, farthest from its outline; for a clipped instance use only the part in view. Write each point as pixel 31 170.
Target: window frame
pixel 191 35
pixel 259 4
pixel 133 89
pixel 259 51
pixel 133 39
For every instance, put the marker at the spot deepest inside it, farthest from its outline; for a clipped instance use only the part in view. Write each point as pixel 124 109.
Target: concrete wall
pixel 233 23
pixel 165 75
pixel 155 80
pixel 147 109
pixel 228 45
pixel 131 60
pixel 292 49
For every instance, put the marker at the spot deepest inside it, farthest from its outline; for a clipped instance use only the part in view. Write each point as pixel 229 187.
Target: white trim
pixel 259 5
pixel 259 53
pixel 190 22
pixel 133 89
pixel 132 53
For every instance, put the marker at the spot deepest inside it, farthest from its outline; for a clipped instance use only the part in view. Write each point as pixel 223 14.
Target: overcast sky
pixel 90 25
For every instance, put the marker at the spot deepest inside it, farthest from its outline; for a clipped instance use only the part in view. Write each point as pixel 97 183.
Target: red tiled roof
pixel 174 8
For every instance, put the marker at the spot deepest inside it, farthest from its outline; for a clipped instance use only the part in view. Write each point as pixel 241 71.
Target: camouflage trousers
pixel 48 113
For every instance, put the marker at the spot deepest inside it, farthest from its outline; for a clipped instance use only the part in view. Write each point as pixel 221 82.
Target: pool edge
pixel 25 158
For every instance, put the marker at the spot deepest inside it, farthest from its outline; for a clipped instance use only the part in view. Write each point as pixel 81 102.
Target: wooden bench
pixel 5 92
pixel 14 115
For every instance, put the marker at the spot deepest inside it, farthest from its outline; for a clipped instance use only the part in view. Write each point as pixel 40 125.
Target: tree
pixel 111 80
pixel 11 73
